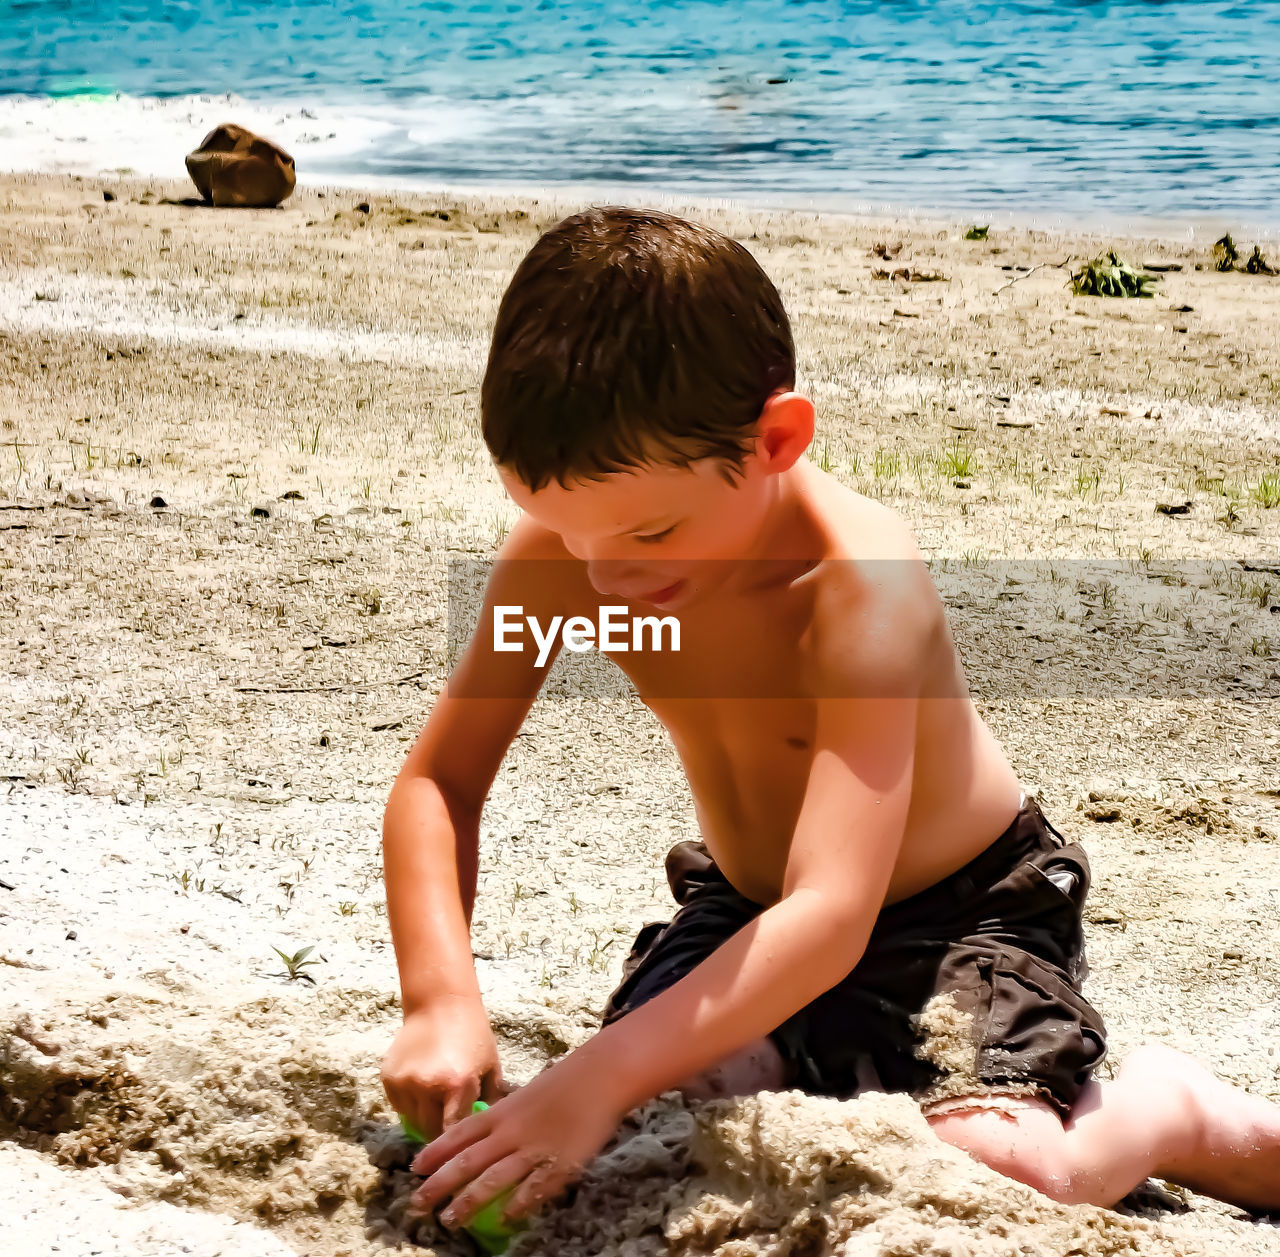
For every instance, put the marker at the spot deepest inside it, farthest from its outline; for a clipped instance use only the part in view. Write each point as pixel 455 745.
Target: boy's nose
pixel 620 578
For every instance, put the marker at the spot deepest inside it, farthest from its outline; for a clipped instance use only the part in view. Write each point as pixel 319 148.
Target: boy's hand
pixel 443 1059
pixel 538 1140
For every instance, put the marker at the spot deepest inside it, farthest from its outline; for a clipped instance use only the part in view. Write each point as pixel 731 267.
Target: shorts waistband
pixel 1028 831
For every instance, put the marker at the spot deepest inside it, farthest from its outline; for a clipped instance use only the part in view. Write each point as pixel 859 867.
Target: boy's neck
pixel 790 529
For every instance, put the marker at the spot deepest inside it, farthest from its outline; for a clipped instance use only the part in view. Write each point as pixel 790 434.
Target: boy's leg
pixel 1165 1115
pixel 757 1067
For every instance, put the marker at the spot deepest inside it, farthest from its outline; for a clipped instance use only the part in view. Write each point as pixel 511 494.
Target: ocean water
pixel 1065 107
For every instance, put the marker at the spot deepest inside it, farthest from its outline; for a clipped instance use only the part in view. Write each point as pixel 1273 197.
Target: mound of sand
pixel 1169 821
pixel 784 1173
pixel 257 1125
pixel 256 1111
pixel 225 1110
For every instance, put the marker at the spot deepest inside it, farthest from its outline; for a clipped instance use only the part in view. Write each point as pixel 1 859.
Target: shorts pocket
pixel 1039 1029
pixel 1051 885
pixel 1038 908
pixel 1066 871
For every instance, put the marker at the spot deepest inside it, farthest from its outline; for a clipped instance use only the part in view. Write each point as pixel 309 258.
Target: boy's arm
pixel 843 852
pixel 430 832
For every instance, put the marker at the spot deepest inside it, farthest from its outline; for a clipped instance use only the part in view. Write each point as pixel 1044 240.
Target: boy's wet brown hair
pixel 630 336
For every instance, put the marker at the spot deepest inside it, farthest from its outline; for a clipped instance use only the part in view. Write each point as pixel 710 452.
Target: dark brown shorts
pixel 970 987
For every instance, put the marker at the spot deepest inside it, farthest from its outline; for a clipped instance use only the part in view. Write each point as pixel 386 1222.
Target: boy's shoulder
pixel 859 527
pixel 530 540
pixel 534 570
pixel 876 611
pixel 535 558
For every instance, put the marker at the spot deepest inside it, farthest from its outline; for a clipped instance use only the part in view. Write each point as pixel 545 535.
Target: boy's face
pixel 661 534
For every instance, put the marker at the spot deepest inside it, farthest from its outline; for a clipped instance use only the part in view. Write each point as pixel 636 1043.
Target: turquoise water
pixel 1164 109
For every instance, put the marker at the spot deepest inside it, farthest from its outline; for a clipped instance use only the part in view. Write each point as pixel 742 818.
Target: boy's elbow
pixel 418 794
pixel 837 927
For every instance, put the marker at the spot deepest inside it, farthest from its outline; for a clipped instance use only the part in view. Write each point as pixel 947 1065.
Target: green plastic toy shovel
pixel 486 1228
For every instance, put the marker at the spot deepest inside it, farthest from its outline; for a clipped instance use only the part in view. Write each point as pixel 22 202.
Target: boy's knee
pixel 703 1086
pixel 1024 1141
pixel 757 1067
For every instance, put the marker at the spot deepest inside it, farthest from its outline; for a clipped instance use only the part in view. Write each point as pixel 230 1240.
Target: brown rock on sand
pixel 233 166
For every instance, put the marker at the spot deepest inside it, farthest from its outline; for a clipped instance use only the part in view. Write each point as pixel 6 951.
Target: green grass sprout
pixel 294 964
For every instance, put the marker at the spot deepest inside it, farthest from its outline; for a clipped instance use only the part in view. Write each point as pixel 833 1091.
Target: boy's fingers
pixel 548 1182
pixel 394 1097
pixel 458 1103
pixel 419 1108
pixel 424 1113
pixel 485 1187
pixel 405 1104
pixel 450 1149
pixel 495 1087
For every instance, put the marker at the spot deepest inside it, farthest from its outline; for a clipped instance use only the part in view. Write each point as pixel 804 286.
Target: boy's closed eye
pixel 656 536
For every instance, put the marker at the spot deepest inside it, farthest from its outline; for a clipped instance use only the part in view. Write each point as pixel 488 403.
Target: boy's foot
pixel 1236 1156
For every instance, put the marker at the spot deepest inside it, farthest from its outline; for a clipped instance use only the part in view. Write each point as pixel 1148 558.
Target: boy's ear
pixel 785 429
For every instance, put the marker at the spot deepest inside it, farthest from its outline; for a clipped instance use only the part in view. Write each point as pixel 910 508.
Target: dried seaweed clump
pixel 1258 265
pixel 1226 257
pixel 1225 254
pixel 1111 276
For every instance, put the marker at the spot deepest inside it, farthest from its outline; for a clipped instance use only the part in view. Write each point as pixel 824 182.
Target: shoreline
pixel 352 132
pixel 1173 232
pixel 1180 231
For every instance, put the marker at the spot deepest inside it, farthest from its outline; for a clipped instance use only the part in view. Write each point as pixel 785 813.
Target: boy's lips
pixel 659 596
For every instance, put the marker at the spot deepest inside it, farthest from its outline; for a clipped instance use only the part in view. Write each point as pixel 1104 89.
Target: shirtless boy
pixel 866 851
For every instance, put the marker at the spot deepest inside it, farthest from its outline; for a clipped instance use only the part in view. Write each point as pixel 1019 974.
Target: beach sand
pixel 206 700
